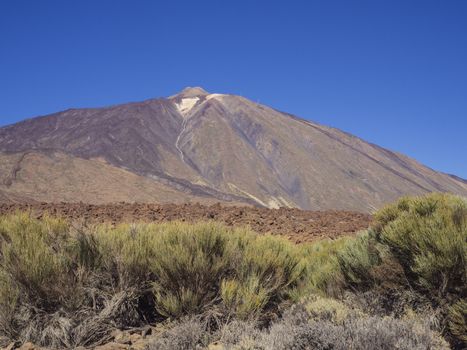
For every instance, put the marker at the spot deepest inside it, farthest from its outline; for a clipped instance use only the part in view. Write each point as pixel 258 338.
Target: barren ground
pixel 297 225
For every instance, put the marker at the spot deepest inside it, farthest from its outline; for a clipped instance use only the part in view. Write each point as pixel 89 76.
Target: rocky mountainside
pixel 202 147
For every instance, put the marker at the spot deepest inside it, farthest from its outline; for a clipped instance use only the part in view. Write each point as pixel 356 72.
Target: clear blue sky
pixel 392 72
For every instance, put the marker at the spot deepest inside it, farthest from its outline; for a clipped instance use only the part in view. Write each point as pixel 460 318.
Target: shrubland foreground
pixel 401 284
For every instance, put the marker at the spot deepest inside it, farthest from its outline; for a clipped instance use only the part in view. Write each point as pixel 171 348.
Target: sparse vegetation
pixel 400 284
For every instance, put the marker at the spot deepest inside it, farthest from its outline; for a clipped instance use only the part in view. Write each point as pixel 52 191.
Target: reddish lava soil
pixel 298 225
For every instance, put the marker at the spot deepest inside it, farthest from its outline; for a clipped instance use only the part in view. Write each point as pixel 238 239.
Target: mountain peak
pixel 207 147
pixel 192 92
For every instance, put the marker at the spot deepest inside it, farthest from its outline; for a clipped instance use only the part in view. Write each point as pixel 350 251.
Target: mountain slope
pixel 56 177
pixel 227 148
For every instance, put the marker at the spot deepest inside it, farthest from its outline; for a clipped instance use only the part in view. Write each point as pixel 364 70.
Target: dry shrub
pixel 301 329
pixel 239 334
pixel 186 334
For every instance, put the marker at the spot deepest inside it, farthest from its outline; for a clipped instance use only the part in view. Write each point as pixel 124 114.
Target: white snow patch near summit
pixel 186 104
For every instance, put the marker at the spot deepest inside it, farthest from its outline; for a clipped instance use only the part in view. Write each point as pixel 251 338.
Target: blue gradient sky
pixel 392 72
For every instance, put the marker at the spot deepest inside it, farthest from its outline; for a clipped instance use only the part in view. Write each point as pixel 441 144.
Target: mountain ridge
pixel 226 148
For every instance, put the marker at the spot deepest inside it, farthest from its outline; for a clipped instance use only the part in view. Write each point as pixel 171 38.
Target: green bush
pixel 127 251
pixel 56 287
pixel 425 236
pixel 64 285
pixel 199 266
pixel 365 263
pixel 189 265
pixel 269 270
pixel 323 273
pixel 40 260
pixel 428 237
pixel 418 244
pixel 356 260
